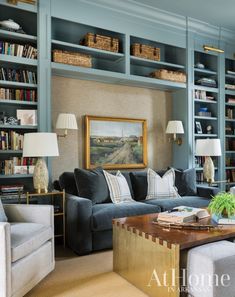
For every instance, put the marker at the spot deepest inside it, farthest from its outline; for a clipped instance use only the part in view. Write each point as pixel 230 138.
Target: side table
pixel 59 208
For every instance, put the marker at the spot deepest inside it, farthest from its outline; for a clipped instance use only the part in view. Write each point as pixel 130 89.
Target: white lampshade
pixel 175 127
pixel 40 144
pixel 66 121
pixel 208 147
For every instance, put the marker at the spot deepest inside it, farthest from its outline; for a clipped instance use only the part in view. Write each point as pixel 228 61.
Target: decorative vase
pixel 40 176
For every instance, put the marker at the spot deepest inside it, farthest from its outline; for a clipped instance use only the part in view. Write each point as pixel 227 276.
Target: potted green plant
pixel 223 204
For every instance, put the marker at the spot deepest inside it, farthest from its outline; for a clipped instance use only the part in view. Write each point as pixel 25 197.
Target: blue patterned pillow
pixel 3 217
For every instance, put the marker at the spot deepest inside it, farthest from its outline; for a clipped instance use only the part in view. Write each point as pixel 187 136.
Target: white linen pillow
pixel 161 187
pixel 3 217
pixel 118 187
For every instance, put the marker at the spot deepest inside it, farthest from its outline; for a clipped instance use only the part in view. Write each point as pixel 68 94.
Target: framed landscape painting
pixel 115 143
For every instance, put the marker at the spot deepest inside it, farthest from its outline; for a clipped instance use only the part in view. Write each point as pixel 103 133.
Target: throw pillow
pixel 161 187
pixel 118 187
pixel 91 184
pixel 140 183
pixel 3 217
pixel 185 182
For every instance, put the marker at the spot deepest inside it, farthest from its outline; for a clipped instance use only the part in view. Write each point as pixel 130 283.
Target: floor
pixel 87 276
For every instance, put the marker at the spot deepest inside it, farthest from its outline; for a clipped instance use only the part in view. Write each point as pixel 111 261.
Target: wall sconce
pixel 175 127
pixel 208 48
pixel 66 121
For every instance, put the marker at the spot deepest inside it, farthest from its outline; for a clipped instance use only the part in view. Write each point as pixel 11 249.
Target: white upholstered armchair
pixel 26 248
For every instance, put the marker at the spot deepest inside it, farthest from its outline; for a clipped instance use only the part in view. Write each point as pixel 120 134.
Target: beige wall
pixel 88 97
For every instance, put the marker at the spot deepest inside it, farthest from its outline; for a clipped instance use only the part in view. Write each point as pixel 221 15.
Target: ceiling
pixel 216 12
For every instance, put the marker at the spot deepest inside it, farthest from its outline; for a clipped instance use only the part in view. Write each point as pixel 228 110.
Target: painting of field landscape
pixel 116 143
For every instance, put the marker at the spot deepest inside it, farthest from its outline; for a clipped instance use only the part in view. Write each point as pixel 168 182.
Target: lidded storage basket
pixel 71 58
pixel 101 42
pixel 145 51
pixel 176 76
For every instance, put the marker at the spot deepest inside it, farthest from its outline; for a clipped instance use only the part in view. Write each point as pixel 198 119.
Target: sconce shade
pixel 208 147
pixel 40 144
pixel 66 121
pixel 175 127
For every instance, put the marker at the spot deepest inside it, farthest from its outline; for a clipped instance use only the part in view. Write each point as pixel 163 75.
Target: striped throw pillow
pixel 3 217
pixel 118 187
pixel 161 187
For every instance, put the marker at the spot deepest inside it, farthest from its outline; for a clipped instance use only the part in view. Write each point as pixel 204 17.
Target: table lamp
pixel 66 121
pixel 175 127
pixel 208 148
pixel 40 144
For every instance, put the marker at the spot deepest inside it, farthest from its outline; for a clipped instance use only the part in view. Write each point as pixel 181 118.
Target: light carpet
pixel 87 276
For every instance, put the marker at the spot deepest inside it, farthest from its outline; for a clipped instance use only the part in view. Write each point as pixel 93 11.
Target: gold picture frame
pixel 115 143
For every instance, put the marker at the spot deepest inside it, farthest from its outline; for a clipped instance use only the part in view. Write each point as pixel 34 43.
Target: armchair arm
pixel 41 214
pixel 207 192
pixel 78 221
pixel 5 260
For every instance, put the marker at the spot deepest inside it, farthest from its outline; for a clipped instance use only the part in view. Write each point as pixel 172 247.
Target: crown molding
pixel 161 17
pixel 142 11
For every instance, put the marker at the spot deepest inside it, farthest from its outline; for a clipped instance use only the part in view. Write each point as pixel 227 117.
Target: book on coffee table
pixel 183 214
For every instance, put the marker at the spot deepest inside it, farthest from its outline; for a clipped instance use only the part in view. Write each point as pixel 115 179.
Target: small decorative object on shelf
pixel 71 58
pixel 165 74
pixel 198 128
pixel 145 51
pixel 9 24
pixel 12 121
pixel 199 65
pixel 101 42
pixel 27 117
pixel 209 129
pixel 207 82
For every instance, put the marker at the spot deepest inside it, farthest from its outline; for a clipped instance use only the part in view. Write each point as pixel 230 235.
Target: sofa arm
pixel 40 214
pixel 5 260
pixel 78 221
pixel 207 192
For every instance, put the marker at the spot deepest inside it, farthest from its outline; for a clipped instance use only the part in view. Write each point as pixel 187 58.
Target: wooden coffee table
pixel 151 257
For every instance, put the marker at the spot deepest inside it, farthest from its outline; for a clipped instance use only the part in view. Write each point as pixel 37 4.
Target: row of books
pixel 230 144
pixel 230 161
pixel 231 100
pixel 4 189
pixel 11 140
pixel 203 95
pixel 18 75
pixel 199 161
pixel 200 177
pixel 230 113
pixel 230 175
pixel 18 94
pixel 18 50
pixel 17 165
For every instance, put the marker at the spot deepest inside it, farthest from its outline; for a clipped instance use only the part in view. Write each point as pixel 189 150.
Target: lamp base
pixel 209 170
pixel 40 176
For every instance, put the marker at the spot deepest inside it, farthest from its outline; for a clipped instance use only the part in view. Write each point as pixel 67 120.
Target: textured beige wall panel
pixel 83 97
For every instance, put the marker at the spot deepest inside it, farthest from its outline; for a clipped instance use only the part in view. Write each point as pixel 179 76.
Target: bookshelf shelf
pixel 230 76
pixel 4 152
pixel 206 118
pixel 18 102
pixel 230 152
pixel 230 167
pixel 205 71
pixel 230 120
pixel 17 36
pixel 16 176
pixel 207 89
pixel 230 92
pixel 205 101
pixel 205 135
pixel 23 127
pixel 18 60
pixel 97 53
pixel 5 83
pixel 154 64
pixel 230 136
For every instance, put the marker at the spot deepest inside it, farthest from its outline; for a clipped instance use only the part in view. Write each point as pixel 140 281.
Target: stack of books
pixel 18 75
pixel 18 94
pixel 18 50
pixel 11 140
pixel 11 191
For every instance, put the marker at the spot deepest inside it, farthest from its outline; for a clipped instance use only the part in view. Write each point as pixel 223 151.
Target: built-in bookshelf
pixel 205 107
pixel 18 90
pixel 230 122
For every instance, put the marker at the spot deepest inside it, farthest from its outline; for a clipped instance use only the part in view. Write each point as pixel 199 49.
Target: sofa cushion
pixel 166 204
pixel 104 213
pixel 118 187
pixel 185 182
pixel 140 183
pixel 91 184
pixel 3 217
pixel 28 237
pixel 161 187
pixel 67 182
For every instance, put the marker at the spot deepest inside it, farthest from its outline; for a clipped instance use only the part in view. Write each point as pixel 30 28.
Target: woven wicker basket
pixel 101 42
pixel 76 59
pixel 145 51
pixel 169 75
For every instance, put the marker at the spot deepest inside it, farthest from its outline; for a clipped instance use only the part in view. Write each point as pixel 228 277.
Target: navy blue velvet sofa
pixel 89 223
